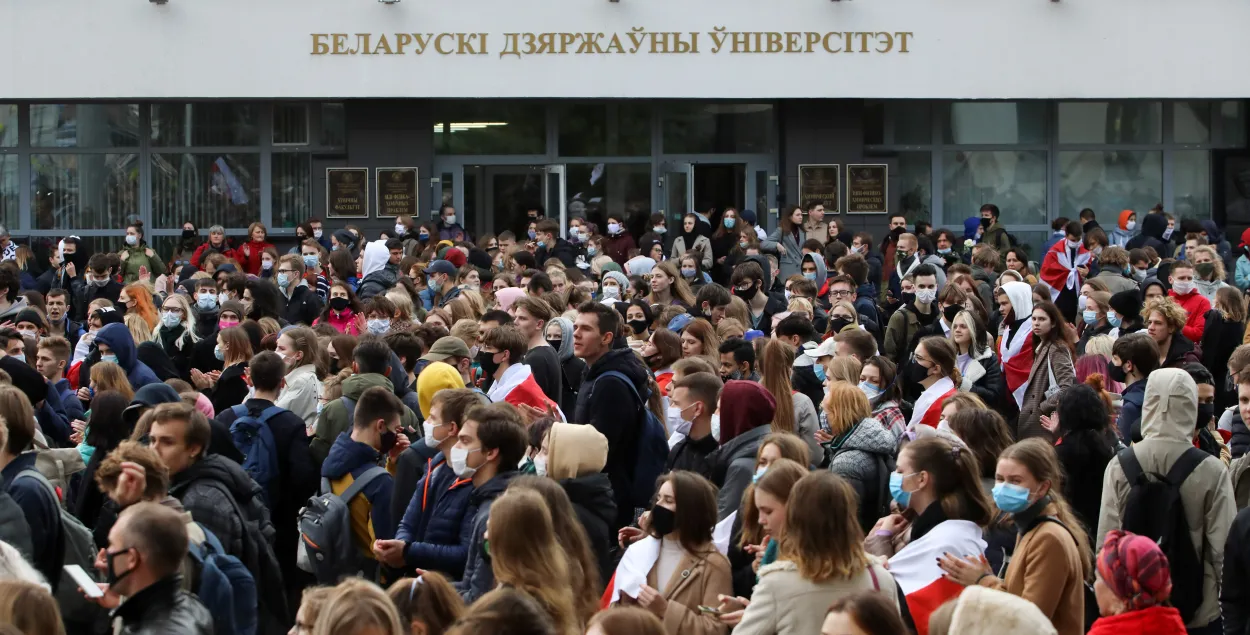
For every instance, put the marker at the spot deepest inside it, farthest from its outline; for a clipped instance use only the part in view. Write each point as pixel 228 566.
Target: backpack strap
pixel 359 484
pixel 621 376
pixel 350 405
pixel 1185 465
pixel 266 414
pixel 38 476
pixel 1128 462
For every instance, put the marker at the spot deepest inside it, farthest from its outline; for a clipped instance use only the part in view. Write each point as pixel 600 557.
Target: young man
pixel 1185 292
pixel 206 308
pixel 712 300
pixel 490 445
pixel 436 528
pixel 551 245
pixel 375 438
pixel 995 234
pixel 606 401
pixel 815 225
pixel 530 316
pixel 856 343
pixel 58 317
pixel 302 304
pixel 1064 269
pixel 1133 358
pixel 737 360
pixel 748 283
pixel 371 363
pixel 842 288
pixel 312 255
pixel 512 381
pixel 913 315
pixel 440 279
pixel 693 398
pixel 51 362
pixel 37 502
pixel 1205 437
pixel 1206 493
pixel 493 319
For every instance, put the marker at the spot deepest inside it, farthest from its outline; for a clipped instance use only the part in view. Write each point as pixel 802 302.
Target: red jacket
pixel 1196 307
pixel 1156 620
pixel 344 322
pixel 617 247
pixel 199 254
pixel 248 255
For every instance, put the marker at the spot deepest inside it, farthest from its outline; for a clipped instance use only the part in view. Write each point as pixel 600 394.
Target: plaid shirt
pixel 891 418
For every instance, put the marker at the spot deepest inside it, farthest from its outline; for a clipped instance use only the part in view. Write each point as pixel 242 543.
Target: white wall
pixel 61 49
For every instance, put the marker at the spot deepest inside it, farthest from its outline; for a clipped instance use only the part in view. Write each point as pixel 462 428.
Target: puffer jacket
pixel 733 465
pixel 213 485
pixel 1169 412
pixel 984 378
pixel 436 529
pixel 140 256
pixel 164 609
pixel 1241 276
pixel 856 458
pixel 333 420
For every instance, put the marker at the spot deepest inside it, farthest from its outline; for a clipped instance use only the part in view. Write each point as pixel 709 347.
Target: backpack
pixel 252 436
pixel 652 450
pixel 77 546
pixel 57 465
pixel 1155 509
pixel 871 510
pixel 225 587
pixel 327 549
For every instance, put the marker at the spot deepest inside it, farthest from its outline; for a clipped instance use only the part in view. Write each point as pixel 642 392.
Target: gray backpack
pixel 327 549
pixel 77 547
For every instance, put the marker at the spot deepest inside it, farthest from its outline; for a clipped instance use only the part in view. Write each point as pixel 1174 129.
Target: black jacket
pixel 617 414
pixel 1219 338
pixel 376 283
pixel 158 361
pixel 206 324
pixel 178 347
pixel 164 609
pixel 693 456
pixel 733 465
pixel 13 526
pixel 803 379
pixel 592 500
pixel 82 294
pixel 563 249
pixel 230 390
pixel 1235 590
pixel 1084 455
pixel 1152 228
pixel 303 307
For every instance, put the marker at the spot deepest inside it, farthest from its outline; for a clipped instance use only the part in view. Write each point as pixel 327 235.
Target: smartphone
pixel 709 610
pixel 84 581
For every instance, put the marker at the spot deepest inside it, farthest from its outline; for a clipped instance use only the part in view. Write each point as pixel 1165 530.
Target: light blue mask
pixel 759 474
pixel 1090 317
pixel 207 301
pixel 379 326
pixel 944 251
pixel 820 371
pixel 811 275
pixel 107 357
pixel 896 489
pixel 310 262
pixel 591 251
pixel 169 319
pixel 729 223
pixel 1011 498
pixel 870 391
pixel 21 357
pixel 283 280
pixel 1114 320
pixel 219 354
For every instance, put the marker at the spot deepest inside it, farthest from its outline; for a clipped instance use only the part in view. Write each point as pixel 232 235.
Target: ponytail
pixel 956 478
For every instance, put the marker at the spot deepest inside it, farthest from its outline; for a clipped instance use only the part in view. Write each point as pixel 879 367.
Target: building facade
pixel 233 112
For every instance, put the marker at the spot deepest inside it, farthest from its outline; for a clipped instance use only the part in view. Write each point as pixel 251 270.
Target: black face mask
pixel 487 361
pixel 638 326
pixel 908 298
pixel 112 576
pixel 1206 411
pixel 898 231
pixel 188 234
pixel 388 441
pixel 555 344
pixel 837 324
pixel 986 222
pixel 746 294
pixel 950 312
pixel 1117 374
pixel 339 304
pixel 663 520
pixel 334 366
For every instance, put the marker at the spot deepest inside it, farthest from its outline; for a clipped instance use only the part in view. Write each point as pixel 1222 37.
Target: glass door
pixel 556 199
pixel 678 186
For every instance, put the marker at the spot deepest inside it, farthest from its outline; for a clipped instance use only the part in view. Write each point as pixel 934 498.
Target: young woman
pixel 690 240
pixel 1132 586
pixel 342 309
pixel 691 268
pixel 560 337
pixel 698 339
pixel 1225 330
pixel 676 569
pixel 29 608
pixel 821 559
pixel 427 605
pixel 668 287
pixel 1018 261
pixel 1054 345
pixel 764 509
pixel 305 368
pixel 864 613
pixel 625 620
pixel 664 348
pixel 262 299
pixel 176 332
pixel 795 411
pixel 842 316
pixel 941 379
pixel 1209 274
pixel 1052 558
pixel 531 561
pixel 978 365
pixel 137 255
pixel 1094 318
pixel 856 445
pixel 228 389
pixel 986 435
pixel 358 607
pixel 138 300
pixel 786 243
pixel 638 318
pixel 249 253
pixel 268 263
pixel 1015 344
pixel 1084 443
pixel 570 533
pixel 104 430
pixel 877 381
pixel 724 241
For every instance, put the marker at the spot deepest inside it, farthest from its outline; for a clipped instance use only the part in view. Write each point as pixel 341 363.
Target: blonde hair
pixel 729 328
pixel 845 369
pixel 775 368
pixel 15 567
pixel 356 604
pixel 467 330
pixel 403 303
pixel 1172 312
pixel 738 310
pixel 138 327
pixel 845 406
pixel 823 536
pixel 269 326
pixel 532 561
pixel 801 305
pixel 110 376
pixel 1100 345
pixel 1220 272
pixel 1039 458
pixel 30 607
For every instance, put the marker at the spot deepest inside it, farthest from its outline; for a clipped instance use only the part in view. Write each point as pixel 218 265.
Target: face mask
pixel 1117 374
pixel 379 326
pixel 583 236
pixel 1205 412
pixel 132 240
pixel 1010 498
pixel 1139 275
pixel 592 251
pixel 614 228
pixel 310 262
pixel 112 575
pixel 663 520
pixel 819 371
pixel 207 301
pixel 1090 316
pixel 1130 226
pixel 284 280
pixel 1183 287
pixel 896 488
pixel 1096 251
pixel 745 294
pixel 266 265
pixel 450 220
pixel 687 272
pixel 101 280
pixel 611 291
pixel 219 354
pixel 837 324
pixel 926 296
pixel 169 319
pixel 225 324
pixel 1080 302
pixel 950 312
pixel 400 230
pixel 638 326
pixel 681 425
pixel 1206 269
pixel 338 304
pixel 487 361
pixel 789 296
pixel 540 467
pixel 424 235
pixel 660 230
pixel 908 298
pixel 870 391
pixel 1167 233
pixel 387 441
pixel 742 245
pixel 460 462
pixel 729 223
pixel 759 474
pixel 1073 244
pixel 317 233
pixel 1114 320
pixel 555 344
pixel 810 275
pixel 902 254
pixel 986 222
pixel 944 251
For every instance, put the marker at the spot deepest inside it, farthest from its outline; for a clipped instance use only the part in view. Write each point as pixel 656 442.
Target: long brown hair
pixel 791 448
pixel 775 369
pixel 110 376
pixel 238 345
pixel 678 289
pixel 956 478
pixel 1039 458
pixel 942 351
pixel 305 341
pixel 696 509
pixel 703 331
pixel 627 620
pixel 1060 331
pixel 583 566
pixel 38 612
pixel 823 536
pixel 429 598
pixel 532 561
pixel 985 432
pixel 780 478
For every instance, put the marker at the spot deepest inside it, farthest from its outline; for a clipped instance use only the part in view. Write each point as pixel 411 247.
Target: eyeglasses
pixel 840 294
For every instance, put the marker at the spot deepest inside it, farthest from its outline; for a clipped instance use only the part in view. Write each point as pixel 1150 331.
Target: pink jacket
pixel 344 322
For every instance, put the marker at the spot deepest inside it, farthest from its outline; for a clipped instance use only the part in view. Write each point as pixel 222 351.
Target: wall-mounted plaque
pixel 397 192
pixel 867 188
pixel 347 192
pixel 819 184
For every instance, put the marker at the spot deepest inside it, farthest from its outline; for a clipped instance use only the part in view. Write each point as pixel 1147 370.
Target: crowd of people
pixel 577 429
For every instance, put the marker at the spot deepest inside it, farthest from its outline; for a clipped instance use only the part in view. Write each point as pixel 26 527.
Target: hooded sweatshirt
pixel 1196 307
pixel 576 455
pixel 571 367
pixel 117 337
pixel 746 414
pixel 377 278
pixel 982 611
pixel 1152 228
pixel 334 420
pixel 1121 234
pixel 1167 424
pixel 370 513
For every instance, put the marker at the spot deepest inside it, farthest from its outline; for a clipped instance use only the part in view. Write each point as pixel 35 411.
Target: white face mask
pixel 460 462
pixel 926 296
pixel 1182 287
pixel 716 426
pixel 1130 226
pixel 428 428
pixel 611 292
pixel 317 233
pixel 677 423
pixel 540 466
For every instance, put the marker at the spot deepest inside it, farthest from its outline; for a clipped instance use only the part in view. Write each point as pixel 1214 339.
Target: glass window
pixel 605 130
pixel 206 189
pixel 1111 122
pixel 718 128
pixel 70 191
pixel 290 124
pixel 1109 181
pixel 1191 184
pixel 84 125
pixel 1015 181
pixel 1191 121
pixel 292 188
pixel 915 186
pixel 596 190
pixel 996 122
pixel 333 125
pixel 9 194
pixel 490 127
pixel 205 124
pixel 898 122
pixel 8 125
pixel 1232 116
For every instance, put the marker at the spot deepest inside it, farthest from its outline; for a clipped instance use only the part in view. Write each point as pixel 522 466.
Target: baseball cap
pixel 441 266
pixel 445 347
pixel 827 348
pixel 748 216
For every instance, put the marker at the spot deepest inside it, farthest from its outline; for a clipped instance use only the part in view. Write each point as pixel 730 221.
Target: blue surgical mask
pixel 1114 320
pixel 687 272
pixel 1090 316
pixel 310 262
pixel 896 488
pixel 810 275
pixel 217 352
pixel 379 326
pixel 1010 498
pixel 591 251
pixel 532 234
pixel 729 223
pixel 759 474
pixel 207 301
pixel 819 370
pixel 944 251
pixel 169 319
pixel 21 357
pixel 870 391
pixel 104 357
pixel 542 243
pixel 283 280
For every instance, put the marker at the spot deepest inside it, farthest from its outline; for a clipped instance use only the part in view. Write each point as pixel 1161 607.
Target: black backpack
pixel 1155 509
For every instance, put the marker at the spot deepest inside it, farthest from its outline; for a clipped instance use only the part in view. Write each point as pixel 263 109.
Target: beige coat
pixel 1046 570
pixel 786 603
pixel 1035 402
pixel 1167 425
pixel 697 581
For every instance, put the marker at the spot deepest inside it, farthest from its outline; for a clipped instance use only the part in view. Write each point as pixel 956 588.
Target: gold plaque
pixel 347 192
pixel 397 192
pixel 819 184
pixel 867 189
